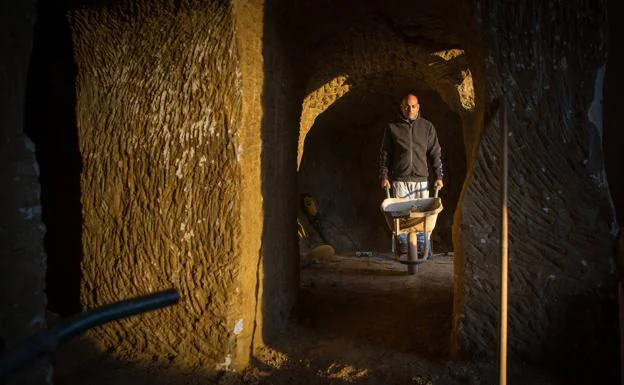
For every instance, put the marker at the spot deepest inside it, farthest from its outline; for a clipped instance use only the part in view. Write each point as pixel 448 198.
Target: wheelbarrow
pixel 411 216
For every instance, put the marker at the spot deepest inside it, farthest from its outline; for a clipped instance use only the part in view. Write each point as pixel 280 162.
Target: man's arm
pixel 384 157
pixel 434 155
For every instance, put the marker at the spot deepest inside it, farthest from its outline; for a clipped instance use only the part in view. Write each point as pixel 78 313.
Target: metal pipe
pixel 47 341
pixel 504 266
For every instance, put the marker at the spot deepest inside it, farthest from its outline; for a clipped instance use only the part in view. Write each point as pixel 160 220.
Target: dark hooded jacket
pixel 406 148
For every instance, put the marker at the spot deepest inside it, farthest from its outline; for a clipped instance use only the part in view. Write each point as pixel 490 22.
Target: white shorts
pixel 410 189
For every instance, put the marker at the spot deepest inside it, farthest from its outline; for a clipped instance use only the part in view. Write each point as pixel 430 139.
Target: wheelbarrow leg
pixel 396 248
pixel 412 252
pixel 396 227
pixel 426 245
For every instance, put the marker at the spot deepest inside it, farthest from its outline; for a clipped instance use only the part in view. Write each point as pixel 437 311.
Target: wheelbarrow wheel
pixel 412 253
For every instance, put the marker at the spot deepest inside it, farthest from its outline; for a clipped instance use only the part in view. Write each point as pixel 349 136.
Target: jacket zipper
pixel 411 139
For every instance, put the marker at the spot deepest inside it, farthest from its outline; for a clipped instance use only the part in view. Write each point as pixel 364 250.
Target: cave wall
pixel 548 56
pixel 247 19
pixel 189 167
pixel 270 109
pixel 22 259
pixel 158 115
pixel 613 137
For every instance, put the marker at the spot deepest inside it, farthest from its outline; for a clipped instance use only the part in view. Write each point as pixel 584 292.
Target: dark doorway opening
pixel 50 122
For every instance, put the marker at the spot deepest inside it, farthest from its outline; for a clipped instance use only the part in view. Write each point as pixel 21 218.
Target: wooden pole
pixel 503 246
pixel 621 311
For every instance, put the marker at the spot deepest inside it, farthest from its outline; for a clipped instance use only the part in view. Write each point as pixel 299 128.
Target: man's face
pixel 310 204
pixel 410 107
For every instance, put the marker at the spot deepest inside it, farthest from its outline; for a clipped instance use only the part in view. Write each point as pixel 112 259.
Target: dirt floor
pixel 359 320
pixel 364 320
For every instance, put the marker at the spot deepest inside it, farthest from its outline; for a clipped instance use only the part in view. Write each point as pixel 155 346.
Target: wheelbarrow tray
pixel 414 215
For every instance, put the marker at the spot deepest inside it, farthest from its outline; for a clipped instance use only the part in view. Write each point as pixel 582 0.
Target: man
pixel 409 144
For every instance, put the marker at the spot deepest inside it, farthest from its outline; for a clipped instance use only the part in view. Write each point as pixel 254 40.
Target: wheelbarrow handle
pixel 393 234
pixel 437 190
pixel 47 341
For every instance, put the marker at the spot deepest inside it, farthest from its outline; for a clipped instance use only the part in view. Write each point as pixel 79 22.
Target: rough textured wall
pixel 549 56
pixel 248 17
pixel 613 137
pixel 356 79
pixel 158 112
pixel 22 261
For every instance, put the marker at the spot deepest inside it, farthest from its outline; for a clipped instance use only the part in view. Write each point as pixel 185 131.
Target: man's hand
pixel 438 184
pixel 385 183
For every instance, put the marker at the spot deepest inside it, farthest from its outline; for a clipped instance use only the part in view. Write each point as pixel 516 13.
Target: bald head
pixel 410 106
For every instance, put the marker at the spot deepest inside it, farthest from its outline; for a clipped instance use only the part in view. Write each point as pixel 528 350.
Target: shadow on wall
pixel 613 138
pixel 589 331
pixel 339 166
pixel 281 107
pixel 50 122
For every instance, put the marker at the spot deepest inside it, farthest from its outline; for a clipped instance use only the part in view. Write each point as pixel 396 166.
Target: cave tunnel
pixel 355 79
pixel 340 166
